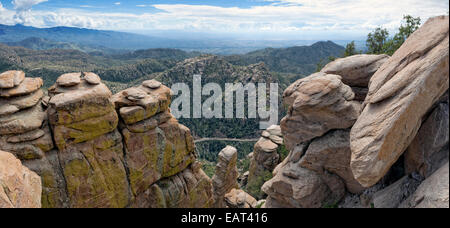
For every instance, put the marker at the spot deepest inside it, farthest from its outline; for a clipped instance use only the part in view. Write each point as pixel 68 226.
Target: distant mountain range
pixel 111 42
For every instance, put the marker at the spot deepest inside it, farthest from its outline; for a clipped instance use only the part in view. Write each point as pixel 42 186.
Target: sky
pixel 272 19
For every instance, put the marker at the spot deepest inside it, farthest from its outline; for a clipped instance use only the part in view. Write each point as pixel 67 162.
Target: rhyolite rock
pixel 27 86
pixel 317 104
pixel 70 79
pixel 226 175
pixel 356 70
pixel 191 188
pixel 432 193
pixel 393 195
pixel 90 148
pixel 19 187
pixel 265 157
pixel 401 92
pixel 237 198
pixel 331 153
pixel 15 104
pixel 11 79
pixel 92 78
pixel 152 84
pixel 24 121
pixel 429 149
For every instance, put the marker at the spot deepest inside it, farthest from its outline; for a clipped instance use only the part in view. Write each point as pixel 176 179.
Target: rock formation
pixel 237 198
pixel 356 71
pixel 317 104
pixel 24 132
pixel 401 92
pixel 349 155
pixel 432 193
pixel 19 187
pixel 226 175
pixel 108 151
pixel 265 157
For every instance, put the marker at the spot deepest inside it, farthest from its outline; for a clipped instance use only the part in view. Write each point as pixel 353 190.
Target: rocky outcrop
pixel 226 175
pixel 432 193
pixel 265 157
pixel 190 188
pixel 19 187
pixel 101 150
pixel 237 198
pixel 401 92
pixel 24 131
pixel 156 145
pixel 317 104
pixel 317 171
pixel 356 71
pixel 340 157
pixel 90 148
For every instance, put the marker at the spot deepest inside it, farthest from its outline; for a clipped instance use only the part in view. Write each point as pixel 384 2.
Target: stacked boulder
pixel 158 150
pixel 24 132
pixel 316 130
pixel 90 151
pixel 340 147
pixel 225 177
pixel 265 157
pixel 19 187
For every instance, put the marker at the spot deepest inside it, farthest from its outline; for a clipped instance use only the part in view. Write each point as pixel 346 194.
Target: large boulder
pixel 432 193
pixel 317 104
pixel 356 70
pixel 226 175
pixel 401 92
pixel 19 187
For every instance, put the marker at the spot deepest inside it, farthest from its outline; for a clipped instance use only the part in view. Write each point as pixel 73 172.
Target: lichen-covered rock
pixel 90 149
pixel 432 193
pixel 401 92
pixel 19 187
pixel 226 175
pixel 356 70
pixel 317 104
pixel 191 188
pixel 237 198
pixel 156 145
pixel 429 149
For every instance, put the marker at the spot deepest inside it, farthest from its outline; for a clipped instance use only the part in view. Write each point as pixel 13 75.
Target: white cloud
pixel 279 17
pixel 22 5
pixel 117 3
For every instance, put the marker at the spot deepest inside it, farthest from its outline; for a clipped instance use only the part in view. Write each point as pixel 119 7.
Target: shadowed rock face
pixel 110 151
pixel 432 193
pixel 401 92
pixel 429 149
pixel 19 187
